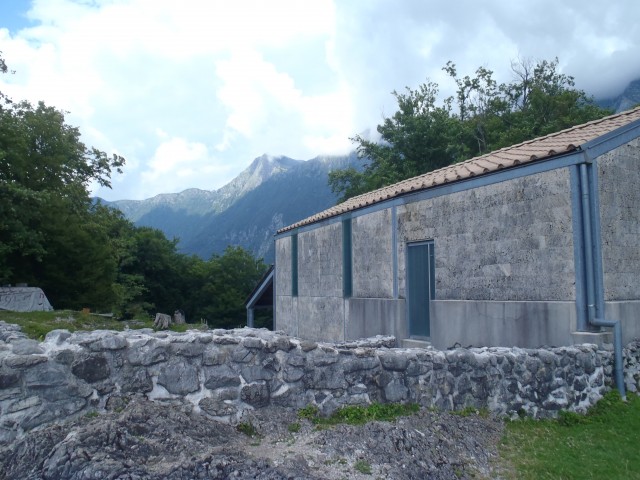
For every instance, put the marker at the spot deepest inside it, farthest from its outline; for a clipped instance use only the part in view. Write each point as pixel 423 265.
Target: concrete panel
pixel 375 316
pixel 286 315
pixel 372 255
pixel 506 324
pixel 321 318
pixel 283 266
pixel 508 241
pixel 619 193
pixel 629 314
pixel 320 262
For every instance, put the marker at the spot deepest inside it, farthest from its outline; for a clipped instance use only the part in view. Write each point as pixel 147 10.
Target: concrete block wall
pixel 286 306
pixel 283 263
pixel 372 255
pixel 619 193
pixel 320 262
pixel 510 241
pixel 479 323
pixel 319 309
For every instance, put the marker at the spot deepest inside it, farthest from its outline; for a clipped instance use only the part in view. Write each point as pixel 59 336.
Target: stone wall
pixel 373 255
pixel 618 181
pixel 511 241
pixel 223 373
pixel 319 298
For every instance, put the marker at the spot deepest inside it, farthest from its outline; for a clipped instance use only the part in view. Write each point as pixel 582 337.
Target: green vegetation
pixel 86 255
pixel 424 135
pixel 362 467
pixel 36 325
pixel 248 429
pixel 601 444
pixel 294 427
pixel 359 415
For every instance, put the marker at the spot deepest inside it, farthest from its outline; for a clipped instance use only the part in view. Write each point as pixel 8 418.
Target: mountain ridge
pixel 272 192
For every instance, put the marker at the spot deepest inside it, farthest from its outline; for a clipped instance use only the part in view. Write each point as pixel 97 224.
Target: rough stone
pixel 92 368
pixel 187 349
pixel 235 371
pixel 111 341
pixel 9 380
pixel 26 347
pixel 255 394
pixel 179 377
pixel 220 376
pixel 25 361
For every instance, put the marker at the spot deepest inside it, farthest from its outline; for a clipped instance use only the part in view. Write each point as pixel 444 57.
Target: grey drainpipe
pixel 591 240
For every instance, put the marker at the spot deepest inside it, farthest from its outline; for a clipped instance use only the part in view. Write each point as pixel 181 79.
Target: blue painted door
pixel 420 286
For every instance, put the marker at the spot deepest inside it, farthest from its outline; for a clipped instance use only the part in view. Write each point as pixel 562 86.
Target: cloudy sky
pixel 191 91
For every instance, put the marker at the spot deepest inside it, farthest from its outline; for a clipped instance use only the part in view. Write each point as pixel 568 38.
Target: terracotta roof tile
pixel 537 149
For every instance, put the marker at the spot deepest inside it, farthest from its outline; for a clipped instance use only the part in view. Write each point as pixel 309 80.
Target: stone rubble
pixel 154 441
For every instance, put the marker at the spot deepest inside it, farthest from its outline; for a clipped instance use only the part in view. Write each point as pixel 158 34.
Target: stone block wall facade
pixel 372 246
pixel 509 259
pixel 505 243
pixel 619 194
pixel 224 373
pixel 510 241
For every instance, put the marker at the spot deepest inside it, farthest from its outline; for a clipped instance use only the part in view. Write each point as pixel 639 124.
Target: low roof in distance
pixel 537 149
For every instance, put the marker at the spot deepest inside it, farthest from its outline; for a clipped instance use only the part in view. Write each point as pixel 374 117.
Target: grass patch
pixel 36 325
pixel 362 467
pixel 359 415
pixel 601 444
pixel 293 427
pixel 248 429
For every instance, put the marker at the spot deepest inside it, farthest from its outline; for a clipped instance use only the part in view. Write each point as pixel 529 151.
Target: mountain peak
pixel 273 191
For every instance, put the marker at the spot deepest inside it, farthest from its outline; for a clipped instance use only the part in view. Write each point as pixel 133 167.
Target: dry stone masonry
pixel 224 373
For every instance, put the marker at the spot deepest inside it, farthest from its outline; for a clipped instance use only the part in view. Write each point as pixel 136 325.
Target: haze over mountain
pixel 271 193
pixel 629 98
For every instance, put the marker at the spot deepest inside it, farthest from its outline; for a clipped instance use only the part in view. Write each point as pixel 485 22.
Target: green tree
pixel 50 234
pixel 224 282
pixel 424 135
pixel 152 261
pixel 419 137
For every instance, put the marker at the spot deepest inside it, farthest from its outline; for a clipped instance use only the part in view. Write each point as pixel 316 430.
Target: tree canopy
pixel 425 134
pixel 85 254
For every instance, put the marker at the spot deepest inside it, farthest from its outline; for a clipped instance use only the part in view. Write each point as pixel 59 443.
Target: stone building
pixel 531 245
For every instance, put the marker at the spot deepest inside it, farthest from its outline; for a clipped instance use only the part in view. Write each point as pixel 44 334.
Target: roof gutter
pixel 593 264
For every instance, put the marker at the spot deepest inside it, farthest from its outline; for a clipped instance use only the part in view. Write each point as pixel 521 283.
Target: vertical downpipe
pixel 588 243
pixel 394 249
pixel 590 263
pixel 582 324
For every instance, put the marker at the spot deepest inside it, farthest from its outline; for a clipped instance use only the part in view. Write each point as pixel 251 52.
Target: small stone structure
pixel 223 373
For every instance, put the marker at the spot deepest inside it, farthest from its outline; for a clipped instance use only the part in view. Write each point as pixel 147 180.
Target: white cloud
pixel 191 91
pixel 177 160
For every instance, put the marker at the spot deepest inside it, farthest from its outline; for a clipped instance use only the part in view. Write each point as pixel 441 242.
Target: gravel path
pixel 147 440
